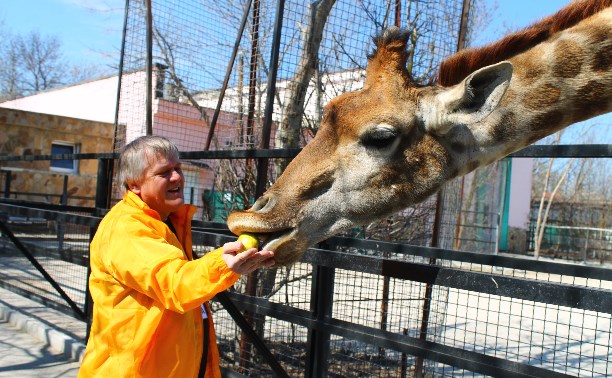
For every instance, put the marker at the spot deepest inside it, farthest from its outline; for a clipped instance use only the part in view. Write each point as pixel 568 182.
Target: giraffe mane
pixel 458 66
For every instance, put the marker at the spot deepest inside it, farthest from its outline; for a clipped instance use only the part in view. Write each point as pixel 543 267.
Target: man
pixel 150 315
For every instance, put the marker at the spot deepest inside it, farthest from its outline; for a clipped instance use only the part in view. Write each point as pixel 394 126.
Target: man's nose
pixel 176 175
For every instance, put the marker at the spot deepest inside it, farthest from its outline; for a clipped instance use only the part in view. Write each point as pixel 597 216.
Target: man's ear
pixel 468 102
pixel 134 188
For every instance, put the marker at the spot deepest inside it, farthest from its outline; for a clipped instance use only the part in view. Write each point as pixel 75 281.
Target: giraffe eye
pixel 380 137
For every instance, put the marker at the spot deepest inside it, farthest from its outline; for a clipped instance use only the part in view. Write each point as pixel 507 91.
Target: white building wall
pixel 520 192
pixel 94 100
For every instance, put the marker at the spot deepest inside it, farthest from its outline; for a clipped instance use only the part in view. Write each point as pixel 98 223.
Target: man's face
pixel 162 185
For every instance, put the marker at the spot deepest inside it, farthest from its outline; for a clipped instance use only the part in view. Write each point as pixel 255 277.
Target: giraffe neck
pixel 564 80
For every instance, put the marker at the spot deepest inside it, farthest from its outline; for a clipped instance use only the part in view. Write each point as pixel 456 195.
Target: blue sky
pixel 90 30
pixel 515 14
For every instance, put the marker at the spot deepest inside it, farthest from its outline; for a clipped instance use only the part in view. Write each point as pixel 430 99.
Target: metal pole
pixel 149 70
pixel 7 185
pixel 251 285
pixel 61 230
pixel 321 305
pixel 230 66
pixel 119 75
pixel 103 200
pixel 435 238
pixel 435 242
pixel 398 13
pixel 262 164
pixel 253 72
pixel 464 25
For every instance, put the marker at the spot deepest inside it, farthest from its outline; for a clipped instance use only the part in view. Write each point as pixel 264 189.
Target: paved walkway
pixel 36 341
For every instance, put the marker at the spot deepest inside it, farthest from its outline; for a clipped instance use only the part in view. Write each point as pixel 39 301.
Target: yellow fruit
pixel 248 240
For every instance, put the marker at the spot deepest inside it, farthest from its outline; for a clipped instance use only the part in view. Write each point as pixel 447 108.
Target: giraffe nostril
pixel 264 203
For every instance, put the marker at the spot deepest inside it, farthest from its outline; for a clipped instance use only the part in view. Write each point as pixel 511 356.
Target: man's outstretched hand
pixel 247 261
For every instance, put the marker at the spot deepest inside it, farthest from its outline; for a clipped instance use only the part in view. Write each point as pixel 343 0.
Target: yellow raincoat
pixel 147 292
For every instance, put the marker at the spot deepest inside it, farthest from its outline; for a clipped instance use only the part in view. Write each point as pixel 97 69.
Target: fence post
pixel 7 185
pixel 262 164
pixel 321 304
pixel 104 182
pixel 61 230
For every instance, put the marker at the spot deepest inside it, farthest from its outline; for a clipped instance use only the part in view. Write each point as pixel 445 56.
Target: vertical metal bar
pixel 64 198
pixel 230 66
pixel 104 184
pixel 435 242
pixel 321 305
pixel 398 13
pixel 262 164
pixel 61 229
pixel 120 74
pixel 149 69
pixel 253 72
pixel 251 284
pixel 102 201
pixel 463 26
pixel 7 184
pixel 435 238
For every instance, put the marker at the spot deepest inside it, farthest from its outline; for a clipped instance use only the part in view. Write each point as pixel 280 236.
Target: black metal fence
pixel 354 307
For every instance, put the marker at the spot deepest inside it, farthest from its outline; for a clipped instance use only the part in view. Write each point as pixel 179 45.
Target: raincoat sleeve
pixel 140 257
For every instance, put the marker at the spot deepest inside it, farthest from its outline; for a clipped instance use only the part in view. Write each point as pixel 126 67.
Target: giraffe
pixel 393 143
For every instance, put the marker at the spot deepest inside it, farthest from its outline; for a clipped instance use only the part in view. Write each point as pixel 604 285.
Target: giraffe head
pixel 377 151
pixel 394 143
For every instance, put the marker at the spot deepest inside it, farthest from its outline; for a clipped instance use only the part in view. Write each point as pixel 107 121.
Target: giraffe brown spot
pixel 473 165
pixel 432 157
pixel 458 147
pixel 544 124
pixel 602 61
pixel 569 59
pixel 592 101
pixel 600 38
pixel 597 35
pixel 505 129
pixel 531 67
pixel 542 97
pixel 454 173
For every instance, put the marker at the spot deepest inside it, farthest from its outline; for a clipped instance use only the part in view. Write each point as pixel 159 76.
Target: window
pixel 191 191
pixel 60 148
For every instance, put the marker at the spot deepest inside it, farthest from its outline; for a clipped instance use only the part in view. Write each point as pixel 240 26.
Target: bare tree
pixel 42 62
pixel 34 63
pixel 307 67
pixel 572 185
pixel 10 75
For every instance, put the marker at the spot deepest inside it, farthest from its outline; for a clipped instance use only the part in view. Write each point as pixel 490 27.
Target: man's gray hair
pixel 138 155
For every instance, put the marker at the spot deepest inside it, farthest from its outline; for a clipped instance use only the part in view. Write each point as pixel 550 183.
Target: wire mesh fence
pixel 211 69
pixel 469 306
pixel 212 66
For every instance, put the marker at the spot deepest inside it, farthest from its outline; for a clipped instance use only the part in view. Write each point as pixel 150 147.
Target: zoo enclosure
pixel 383 321
pixel 355 307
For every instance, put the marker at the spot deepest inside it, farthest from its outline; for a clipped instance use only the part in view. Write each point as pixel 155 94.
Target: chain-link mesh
pixel 193 44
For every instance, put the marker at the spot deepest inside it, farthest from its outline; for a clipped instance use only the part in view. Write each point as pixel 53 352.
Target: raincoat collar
pixel 180 216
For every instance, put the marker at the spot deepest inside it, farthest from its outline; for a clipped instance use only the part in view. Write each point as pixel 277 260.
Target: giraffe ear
pixel 468 102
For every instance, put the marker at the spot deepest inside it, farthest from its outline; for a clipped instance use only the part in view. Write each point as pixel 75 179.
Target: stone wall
pixel 26 133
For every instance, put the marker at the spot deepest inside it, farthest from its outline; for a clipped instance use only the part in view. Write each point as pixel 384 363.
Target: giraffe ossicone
pixel 393 143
